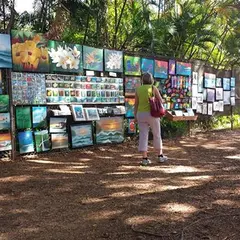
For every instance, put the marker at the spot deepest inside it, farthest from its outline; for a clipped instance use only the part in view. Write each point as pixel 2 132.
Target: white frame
pixel 75 117
pixel 87 113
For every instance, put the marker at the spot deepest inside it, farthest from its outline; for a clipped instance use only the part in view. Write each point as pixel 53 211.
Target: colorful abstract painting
pixel 4 103
pixel 64 57
pixel 39 117
pixel 129 105
pixel 132 65
pixel 25 140
pixel 29 52
pixel 92 58
pixel 113 60
pixel 5 142
pixel 131 83
pixel 183 68
pixel 131 126
pixel 42 142
pixel 147 65
pixel 210 80
pixel 226 84
pixel 161 69
pixel 109 130
pixel 172 67
pixel 58 124
pixel 5 51
pixel 59 140
pixel 23 117
pixel 4 121
pixel 81 135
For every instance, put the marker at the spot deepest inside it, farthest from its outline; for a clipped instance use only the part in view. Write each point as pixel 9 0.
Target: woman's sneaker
pixel 145 162
pixel 162 158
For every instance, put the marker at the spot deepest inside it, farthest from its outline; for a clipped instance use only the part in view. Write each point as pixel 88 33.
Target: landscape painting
pixel 81 135
pixel 4 103
pixel 25 140
pixel 147 65
pixel 129 105
pixel 131 83
pixel 92 58
pixel 161 69
pixel 4 121
pixel 5 142
pixel 113 60
pixel 58 124
pixel 132 65
pixel 42 142
pixel 23 117
pixel 109 130
pixel 5 51
pixel 39 117
pixel 183 68
pixel 59 140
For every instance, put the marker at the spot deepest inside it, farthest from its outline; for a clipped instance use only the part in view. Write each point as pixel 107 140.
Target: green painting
pixel 23 117
pixel 92 58
pixel 132 65
pixel 4 103
pixel 42 141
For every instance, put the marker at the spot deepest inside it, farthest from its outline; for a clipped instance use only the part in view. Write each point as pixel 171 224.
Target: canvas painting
pixel 172 67
pixel 200 98
pixel 1 83
pixel 81 135
pixel 226 84
pixel 42 142
pixel 39 117
pixel 92 58
pixel 65 57
pixel 131 83
pixel 113 60
pixel 200 84
pixel 5 51
pixel 161 69
pixel 132 65
pixel 59 140
pixel 226 97
pixel 183 68
pixel 209 80
pixel 218 82
pixel 91 114
pixel 23 117
pixel 233 92
pixel 204 108
pixel 131 126
pixel 210 95
pixel 233 101
pixel 109 130
pixel 58 124
pixel 233 82
pixel 4 121
pixel 25 140
pixel 29 52
pixel 5 142
pixel 4 103
pixel 129 105
pixel 210 109
pixel 216 106
pixel 147 65
pixel 78 113
pixel 199 108
pixel 194 78
pixel 219 94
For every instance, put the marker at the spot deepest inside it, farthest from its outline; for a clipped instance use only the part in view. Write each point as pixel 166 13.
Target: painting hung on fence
pixel 172 67
pixel 129 105
pixel 233 82
pixel 113 60
pixel 161 69
pixel 5 51
pixel 219 94
pixel 81 135
pixel 183 68
pixel 39 117
pixel 58 124
pixel 92 58
pixel 91 114
pixel 147 65
pixel 5 142
pixel 131 126
pixel 25 140
pixel 210 95
pixel 132 65
pixel 59 140
pixel 29 52
pixel 23 117
pixel 226 97
pixel 226 84
pixel 131 83
pixel 42 142
pixel 65 57
pixel 4 121
pixel 218 82
pixel 109 130
pixel 4 103
pixel 78 113
pixel 209 80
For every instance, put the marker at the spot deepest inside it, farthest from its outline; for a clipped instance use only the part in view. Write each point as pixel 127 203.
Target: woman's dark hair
pixel 147 78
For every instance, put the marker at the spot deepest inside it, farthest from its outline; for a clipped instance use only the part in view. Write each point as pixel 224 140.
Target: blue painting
pixel 161 69
pixel 4 121
pixel 233 81
pixel 184 69
pixel 226 84
pixel 5 51
pixel 92 58
pixel 147 65
pixel 132 65
pixel 81 135
pixel 42 142
pixel 129 105
pixel 25 140
pixel 39 115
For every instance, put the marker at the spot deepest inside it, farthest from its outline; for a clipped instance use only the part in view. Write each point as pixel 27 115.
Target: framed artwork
pixel 194 78
pixel 39 117
pixel 147 65
pixel 59 140
pixel 210 109
pixel 221 106
pixel 219 94
pixel 204 108
pixel 113 60
pixel 233 92
pixel 4 103
pixel 194 103
pixel 233 101
pixel 58 124
pixel 91 114
pixel 81 135
pixel 204 94
pixel 226 97
pixel 200 98
pixel 160 69
pixel 65 57
pixel 210 95
pixel 209 80
pixel 216 106
pixel 5 142
pixel 132 65
pixel 131 126
pixel 172 67
pixel 183 68
pixel 129 105
pixel 92 58
pixel 218 82
pixel 78 113
pixel 226 84
pixel 23 117
pixel 194 90
pixel 233 82
pixel 200 84
pixel 131 83
pixel 29 52
pixel 5 51
pixel 25 140
pixel 1 83
pixel 4 121
pixel 199 108
pixel 42 142
pixel 109 130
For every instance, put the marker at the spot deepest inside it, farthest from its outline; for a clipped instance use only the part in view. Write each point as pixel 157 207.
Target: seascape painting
pixel 59 140
pixel 92 58
pixel 4 103
pixel 132 65
pixel 25 140
pixel 147 65
pixel 5 142
pixel 113 60
pixel 42 142
pixel 226 84
pixel 109 130
pixel 81 135
pixel 58 124
pixel 129 105
pixel 161 69
pixel 5 51
pixel 4 121
pixel 183 68
pixel 39 117
pixel 131 83
pixel 23 117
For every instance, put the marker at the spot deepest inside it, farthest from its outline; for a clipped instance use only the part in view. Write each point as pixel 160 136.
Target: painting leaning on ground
pixel 5 51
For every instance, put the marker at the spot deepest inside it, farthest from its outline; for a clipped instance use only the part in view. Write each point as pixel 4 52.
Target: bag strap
pixel 153 94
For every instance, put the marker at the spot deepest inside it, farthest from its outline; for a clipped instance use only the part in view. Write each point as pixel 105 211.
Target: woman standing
pixel 143 117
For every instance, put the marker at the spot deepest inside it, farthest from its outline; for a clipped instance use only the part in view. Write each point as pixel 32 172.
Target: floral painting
pixel 39 115
pixel 4 121
pixel 92 58
pixel 42 142
pixel 29 52
pixel 172 67
pixel 5 51
pixel 131 126
pixel 113 60
pixel 183 68
pixel 59 140
pixel 23 117
pixel 147 65
pixel 129 105
pixel 161 69
pixel 132 65
pixel 131 83
pixel 4 103
pixel 5 142
pixel 64 57
pixel 25 140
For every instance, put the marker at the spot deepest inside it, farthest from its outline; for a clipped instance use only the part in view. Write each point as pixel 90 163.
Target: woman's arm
pixel 136 105
pixel 157 94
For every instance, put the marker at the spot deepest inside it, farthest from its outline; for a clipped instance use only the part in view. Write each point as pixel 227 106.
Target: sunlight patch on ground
pixel 197 178
pixel 92 200
pixel 217 146
pixel 105 157
pixel 140 219
pixel 234 157
pixel 119 173
pixel 77 167
pixel 64 171
pixel 54 162
pixel 8 197
pixel 180 169
pixel 104 214
pixel 226 202
pixel 178 208
pixel 21 178
pixel 16 211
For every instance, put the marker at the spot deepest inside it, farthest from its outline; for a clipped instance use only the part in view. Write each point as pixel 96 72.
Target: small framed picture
pixel 219 93
pixel 199 108
pixel 216 106
pixel 210 95
pixel 91 113
pixel 204 108
pixel 210 109
pixel 226 84
pixel 218 82
pixel 232 83
pixel 226 97
pixel 195 78
pixel 221 106
pixel 78 113
pixel 232 100
pixel 200 84
pixel 233 92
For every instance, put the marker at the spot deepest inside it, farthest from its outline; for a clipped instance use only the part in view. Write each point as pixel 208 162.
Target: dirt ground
pixel 102 192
